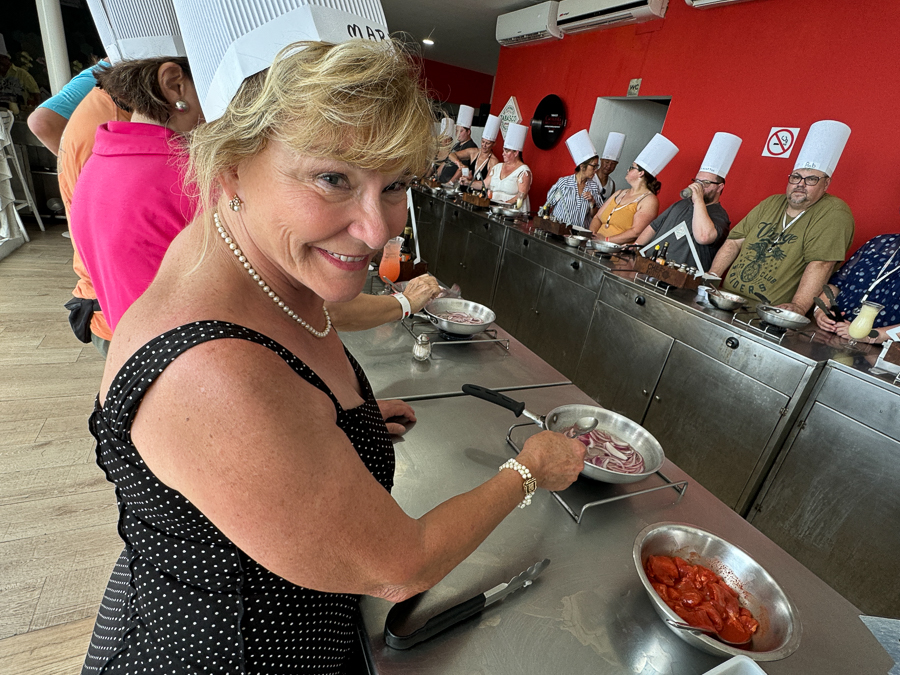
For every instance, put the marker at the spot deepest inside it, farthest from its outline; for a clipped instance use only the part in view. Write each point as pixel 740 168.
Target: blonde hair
pixel 358 101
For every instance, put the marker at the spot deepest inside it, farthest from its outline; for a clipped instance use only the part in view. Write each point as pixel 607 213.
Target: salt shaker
pixel 422 348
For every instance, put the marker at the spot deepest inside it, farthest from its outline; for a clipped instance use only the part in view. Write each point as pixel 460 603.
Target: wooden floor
pixel 58 539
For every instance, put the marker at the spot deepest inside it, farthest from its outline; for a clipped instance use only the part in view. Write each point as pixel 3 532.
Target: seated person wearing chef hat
pixel 464 129
pixel 574 199
pixel 609 160
pixel 785 249
pixel 699 210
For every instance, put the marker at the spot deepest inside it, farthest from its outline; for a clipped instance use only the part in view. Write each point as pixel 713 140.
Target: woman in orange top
pixel 625 215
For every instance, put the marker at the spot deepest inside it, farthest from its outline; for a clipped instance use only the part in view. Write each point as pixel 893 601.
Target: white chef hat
pixel 614 144
pixel 823 146
pixel 491 127
pixel 3 51
pixel 464 118
pixel 656 154
pixel 137 29
pixel 580 147
pixel 447 128
pixel 228 41
pixel 515 137
pixel 721 153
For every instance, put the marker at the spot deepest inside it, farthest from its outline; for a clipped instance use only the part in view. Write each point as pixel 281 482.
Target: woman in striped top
pixel 574 199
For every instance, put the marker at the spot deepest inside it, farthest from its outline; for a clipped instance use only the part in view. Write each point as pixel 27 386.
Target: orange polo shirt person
pixel 75 147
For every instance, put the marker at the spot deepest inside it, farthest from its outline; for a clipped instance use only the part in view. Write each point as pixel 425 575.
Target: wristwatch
pixel 530 484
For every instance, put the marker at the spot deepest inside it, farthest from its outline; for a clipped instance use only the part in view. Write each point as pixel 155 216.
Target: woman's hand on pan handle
pixel 554 460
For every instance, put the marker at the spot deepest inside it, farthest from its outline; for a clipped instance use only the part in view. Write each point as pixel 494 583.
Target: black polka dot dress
pixel 182 597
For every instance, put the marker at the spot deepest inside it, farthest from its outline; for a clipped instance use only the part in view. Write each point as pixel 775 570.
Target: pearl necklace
pixel 265 287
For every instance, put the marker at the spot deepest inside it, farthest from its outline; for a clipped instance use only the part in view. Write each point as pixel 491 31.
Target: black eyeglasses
pixel 704 183
pixel 593 166
pixel 795 178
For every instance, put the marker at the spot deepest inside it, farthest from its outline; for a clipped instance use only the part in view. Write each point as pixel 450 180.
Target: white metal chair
pixel 9 165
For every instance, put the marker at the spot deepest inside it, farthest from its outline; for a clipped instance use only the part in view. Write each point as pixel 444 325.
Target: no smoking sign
pixel 780 142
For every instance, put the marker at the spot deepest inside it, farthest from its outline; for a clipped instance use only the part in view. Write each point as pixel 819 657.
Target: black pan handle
pixel 494 397
pixel 433 626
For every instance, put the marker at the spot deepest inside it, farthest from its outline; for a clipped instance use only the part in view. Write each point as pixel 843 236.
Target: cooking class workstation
pixel 785 370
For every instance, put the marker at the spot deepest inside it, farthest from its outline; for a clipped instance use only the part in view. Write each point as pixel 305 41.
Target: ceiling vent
pixel 576 16
pixel 532 24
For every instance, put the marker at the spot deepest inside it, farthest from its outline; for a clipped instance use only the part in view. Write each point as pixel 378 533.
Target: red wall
pixel 741 68
pixel 451 84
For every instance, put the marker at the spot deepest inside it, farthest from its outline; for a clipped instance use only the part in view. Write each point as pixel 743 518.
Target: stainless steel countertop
pixel 385 353
pixel 588 612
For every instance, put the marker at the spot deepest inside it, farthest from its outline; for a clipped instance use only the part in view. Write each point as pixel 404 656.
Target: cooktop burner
pixel 450 336
pixel 772 328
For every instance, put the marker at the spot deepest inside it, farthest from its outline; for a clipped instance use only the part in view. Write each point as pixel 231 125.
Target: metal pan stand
pixel 776 335
pixel 660 287
pixel 416 326
pixel 577 498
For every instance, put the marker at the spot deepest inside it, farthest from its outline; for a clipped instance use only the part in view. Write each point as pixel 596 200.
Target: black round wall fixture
pixel 548 122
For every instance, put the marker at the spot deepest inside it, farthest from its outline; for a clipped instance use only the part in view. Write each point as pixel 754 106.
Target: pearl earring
pixel 181 106
pixel 235 203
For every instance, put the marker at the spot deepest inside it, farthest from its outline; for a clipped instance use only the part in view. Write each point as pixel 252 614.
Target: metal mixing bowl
pixel 575 240
pixel 622 428
pixel 441 305
pixel 779 630
pixel 499 210
pixel 781 317
pixel 606 246
pixel 725 300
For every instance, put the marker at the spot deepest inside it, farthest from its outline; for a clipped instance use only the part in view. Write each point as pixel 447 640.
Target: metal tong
pixel 832 311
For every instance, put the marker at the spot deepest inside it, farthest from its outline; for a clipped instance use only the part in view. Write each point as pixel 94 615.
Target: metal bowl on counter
pixel 778 635
pixel 606 246
pixel 450 188
pixel 500 210
pixel 442 306
pixel 783 318
pixel 576 240
pixel 724 299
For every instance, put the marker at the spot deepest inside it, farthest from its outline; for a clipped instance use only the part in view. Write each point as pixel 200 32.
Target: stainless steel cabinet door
pixel 833 505
pixel 429 213
pixel 559 322
pixel 479 267
pixel 515 297
pixel 714 422
pixel 453 250
pixel 621 361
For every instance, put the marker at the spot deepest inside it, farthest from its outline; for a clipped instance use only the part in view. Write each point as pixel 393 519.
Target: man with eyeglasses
pixel 705 217
pixel 784 250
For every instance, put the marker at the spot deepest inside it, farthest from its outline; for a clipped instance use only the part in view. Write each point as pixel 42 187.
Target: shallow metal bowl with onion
pixel 783 318
pixel 725 300
pixel 621 428
pixel 505 211
pixel 484 315
pixel 606 246
pixel 778 635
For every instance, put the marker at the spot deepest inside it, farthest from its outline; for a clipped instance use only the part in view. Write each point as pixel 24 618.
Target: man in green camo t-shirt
pixel 785 249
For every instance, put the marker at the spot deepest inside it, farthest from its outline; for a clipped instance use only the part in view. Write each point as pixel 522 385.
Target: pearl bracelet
pixel 530 484
pixel 404 304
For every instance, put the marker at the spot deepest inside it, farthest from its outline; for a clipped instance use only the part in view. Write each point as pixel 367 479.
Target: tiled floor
pixel 58 538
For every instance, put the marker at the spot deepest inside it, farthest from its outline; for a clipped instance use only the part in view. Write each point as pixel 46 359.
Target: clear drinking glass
pixel 390 260
pixel 862 324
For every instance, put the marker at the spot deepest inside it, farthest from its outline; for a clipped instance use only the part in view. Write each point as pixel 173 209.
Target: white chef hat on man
pixel 137 29
pixel 615 141
pixel 580 147
pixel 491 127
pixel 464 117
pixel 656 154
pixel 721 153
pixel 3 51
pixel 229 40
pixel 515 137
pixel 823 146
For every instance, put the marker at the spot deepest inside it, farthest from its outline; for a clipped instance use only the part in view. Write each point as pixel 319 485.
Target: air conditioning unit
pixel 704 4
pixel 532 24
pixel 575 16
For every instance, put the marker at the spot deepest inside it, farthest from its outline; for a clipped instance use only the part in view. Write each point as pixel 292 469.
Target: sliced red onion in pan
pixel 610 453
